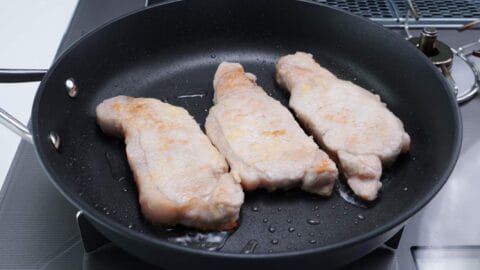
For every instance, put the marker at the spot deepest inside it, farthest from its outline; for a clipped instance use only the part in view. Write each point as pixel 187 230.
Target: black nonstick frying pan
pixel 172 50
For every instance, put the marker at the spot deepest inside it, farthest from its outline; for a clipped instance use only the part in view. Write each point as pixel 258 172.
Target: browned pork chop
pixel 264 145
pixel 181 177
pixel 350 122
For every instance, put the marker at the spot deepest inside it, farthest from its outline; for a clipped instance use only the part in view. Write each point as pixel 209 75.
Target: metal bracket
pixel 92 239
pixel 395 240
pixel 463 53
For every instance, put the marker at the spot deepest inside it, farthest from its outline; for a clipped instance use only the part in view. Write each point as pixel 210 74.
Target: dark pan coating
pixel 154 53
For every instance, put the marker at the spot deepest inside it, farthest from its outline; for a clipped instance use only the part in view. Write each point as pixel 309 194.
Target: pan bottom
pixel 272 222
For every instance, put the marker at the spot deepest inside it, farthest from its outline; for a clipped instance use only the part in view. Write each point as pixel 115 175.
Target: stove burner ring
pixel 442 55
pixel 463 54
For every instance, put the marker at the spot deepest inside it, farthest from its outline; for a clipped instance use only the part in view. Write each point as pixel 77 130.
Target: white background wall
pixel 30 33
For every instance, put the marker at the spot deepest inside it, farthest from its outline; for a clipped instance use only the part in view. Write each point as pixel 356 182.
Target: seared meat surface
pixel 181 177
pixel 348 121
pixel 264 145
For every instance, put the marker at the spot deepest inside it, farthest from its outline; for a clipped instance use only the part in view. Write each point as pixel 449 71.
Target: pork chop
pixel 181 177
pixel 348 121
pixel 264 145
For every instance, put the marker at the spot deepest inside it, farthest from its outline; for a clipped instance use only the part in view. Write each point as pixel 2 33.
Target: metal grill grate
pixel 391 13
pixel 366 8
pixel 442 8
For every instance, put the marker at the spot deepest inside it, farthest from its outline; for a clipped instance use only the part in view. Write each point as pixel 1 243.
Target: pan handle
pixel 15 125
pixel 21 75
pixel 14 76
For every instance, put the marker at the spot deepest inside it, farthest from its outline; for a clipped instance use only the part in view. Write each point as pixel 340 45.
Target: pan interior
pixel 143 57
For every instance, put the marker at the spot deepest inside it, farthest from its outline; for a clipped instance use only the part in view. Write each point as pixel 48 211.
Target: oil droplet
pixel 265 220
pixel 313 221
pixel 130 226
pixel 313 241
pixel 405 188
pixel 317 215
pixel 249 248
pixel 345 212
pixel 107 213
pixel 274 242
pixel 361 217
pixel 289 221
pixel 254 208
pixel 291 229
pixel 316 207
pixel 104 208
pixel 355 222
pixel 271 229
pixel 125 189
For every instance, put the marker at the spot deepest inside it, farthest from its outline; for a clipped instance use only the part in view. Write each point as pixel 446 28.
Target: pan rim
pixel 116 227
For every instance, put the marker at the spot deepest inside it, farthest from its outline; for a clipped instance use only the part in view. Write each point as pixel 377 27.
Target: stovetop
pixel 39 230
pixel 449 13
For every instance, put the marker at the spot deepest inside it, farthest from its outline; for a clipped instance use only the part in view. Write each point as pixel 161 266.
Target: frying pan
pixel 171 50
